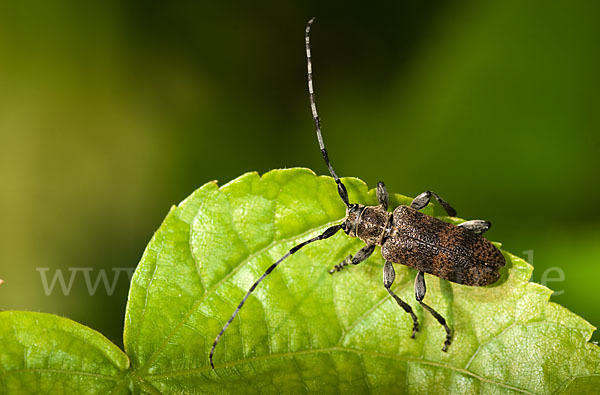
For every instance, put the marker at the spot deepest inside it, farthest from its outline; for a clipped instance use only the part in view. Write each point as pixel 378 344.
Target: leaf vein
pixel 60 371
pixel 569 380
pixel 203 369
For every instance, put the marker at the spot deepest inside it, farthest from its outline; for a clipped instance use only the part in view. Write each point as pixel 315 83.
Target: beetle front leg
pixel 419 295
pixel 382 195
pixel 423 200
pixel 477 226
pixel 360 256
pixel 389 275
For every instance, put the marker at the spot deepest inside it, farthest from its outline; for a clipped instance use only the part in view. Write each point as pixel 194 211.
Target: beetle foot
pixel 340 266
pixel 448 341
pixel 415 330
pixel 415 324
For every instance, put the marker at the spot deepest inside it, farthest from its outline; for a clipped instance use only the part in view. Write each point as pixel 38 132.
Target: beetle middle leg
pixel 419 295
pixel 389 275
pixel 360 256
pixel 423 200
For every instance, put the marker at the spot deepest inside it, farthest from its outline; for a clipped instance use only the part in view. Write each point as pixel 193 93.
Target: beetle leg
pixel 389 275
pixel 423 199
pixel 420 294
pixel 477 226
pixel 360 256
pixel 382 195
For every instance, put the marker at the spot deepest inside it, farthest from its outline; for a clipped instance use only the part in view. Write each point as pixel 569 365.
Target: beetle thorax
pixel 371 224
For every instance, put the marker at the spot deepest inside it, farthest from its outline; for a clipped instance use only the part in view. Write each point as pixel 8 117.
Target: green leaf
pixel 305 330
pixel 302 330
pixel 43 353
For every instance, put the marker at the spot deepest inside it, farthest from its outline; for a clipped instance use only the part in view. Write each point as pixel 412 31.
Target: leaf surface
pixel 46 354
pixel 304 330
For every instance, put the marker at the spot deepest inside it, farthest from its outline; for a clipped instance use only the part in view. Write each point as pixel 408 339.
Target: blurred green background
pixel 110 112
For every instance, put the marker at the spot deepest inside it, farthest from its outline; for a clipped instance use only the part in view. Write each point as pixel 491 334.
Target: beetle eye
pixel 346 227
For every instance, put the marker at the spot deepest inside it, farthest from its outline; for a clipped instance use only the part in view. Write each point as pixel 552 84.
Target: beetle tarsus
pixel 341 265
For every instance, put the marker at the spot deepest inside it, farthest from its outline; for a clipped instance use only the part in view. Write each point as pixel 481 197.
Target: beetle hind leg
pixel 419 295
pixel 477 226
pixel 423 200
pixel 389 275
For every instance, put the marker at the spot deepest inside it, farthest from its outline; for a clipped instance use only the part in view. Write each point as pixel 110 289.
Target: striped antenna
pixel 328 233
pixel 313 106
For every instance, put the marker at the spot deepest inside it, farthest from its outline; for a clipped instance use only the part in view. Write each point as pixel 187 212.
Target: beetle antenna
pixel 328 233
pixel 313 106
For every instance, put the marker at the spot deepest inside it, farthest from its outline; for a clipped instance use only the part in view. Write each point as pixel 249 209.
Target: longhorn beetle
pixel 406 236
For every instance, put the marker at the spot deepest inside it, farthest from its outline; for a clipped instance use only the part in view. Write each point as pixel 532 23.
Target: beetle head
pixel 352 219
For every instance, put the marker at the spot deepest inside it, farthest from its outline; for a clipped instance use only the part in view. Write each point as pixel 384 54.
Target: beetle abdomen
pixel 442 249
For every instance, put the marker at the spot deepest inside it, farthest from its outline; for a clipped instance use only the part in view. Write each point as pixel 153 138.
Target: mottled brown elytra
pixel 457 253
